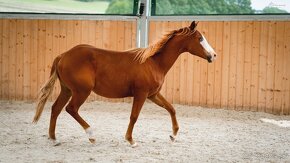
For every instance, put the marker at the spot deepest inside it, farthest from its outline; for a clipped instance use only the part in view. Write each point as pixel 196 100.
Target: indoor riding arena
pixel 233 106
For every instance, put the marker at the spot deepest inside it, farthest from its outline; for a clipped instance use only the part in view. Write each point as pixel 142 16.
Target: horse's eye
pixel 201 39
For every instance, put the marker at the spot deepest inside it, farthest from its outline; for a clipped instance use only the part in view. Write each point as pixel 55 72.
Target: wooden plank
pixel 233 62
pixel 26 55
pixel 264 36
pixel 286 74
pixel 240 65
pixel 225 65
pixel 255 66
pixel 134 33
pixel 120 35
pixel 92 31
pixel 183 78
pixel 247 66
pixel 1 58
pixel 270 67
pixel 106 35
pixel 19 59
pixel 85 32
pixel 62 37
pixel 5 60
pixel 99 34
pixel 70 34
pixel 49 56
pixel 193 79
pixel 33 57
pixel 278 77
pixel 12 59
pixel 211 37
pixel 77 32
pixel 113 35
pixel 218 64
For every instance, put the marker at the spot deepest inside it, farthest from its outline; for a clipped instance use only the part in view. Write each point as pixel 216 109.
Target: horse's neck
pixel 169 54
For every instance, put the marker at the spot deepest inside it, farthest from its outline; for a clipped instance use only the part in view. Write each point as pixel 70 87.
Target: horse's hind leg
pixel 58 105
pixel 78 98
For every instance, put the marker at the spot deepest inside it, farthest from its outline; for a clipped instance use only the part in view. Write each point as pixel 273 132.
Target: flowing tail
pixel 46 91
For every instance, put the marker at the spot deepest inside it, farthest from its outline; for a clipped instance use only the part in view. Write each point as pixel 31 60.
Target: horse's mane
pixel 143 53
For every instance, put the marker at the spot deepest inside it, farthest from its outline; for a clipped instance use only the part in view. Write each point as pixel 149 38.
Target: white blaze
pixel 207 47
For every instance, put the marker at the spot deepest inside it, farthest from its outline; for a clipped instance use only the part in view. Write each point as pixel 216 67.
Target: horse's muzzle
pixel 209 59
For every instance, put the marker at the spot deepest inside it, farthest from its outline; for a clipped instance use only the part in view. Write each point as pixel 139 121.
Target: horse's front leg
pixel 138 102
pixel 161 101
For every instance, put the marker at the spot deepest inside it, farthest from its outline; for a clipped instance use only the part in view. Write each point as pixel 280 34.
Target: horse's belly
pixel 112 90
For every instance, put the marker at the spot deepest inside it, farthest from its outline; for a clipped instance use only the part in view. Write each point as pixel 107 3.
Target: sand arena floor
pixel 206 135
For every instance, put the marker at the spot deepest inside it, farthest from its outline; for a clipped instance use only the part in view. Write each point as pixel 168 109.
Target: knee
pixel 172 111
pixel 70 110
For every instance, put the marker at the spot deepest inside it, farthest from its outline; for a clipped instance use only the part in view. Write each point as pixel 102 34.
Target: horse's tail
pixel 46 90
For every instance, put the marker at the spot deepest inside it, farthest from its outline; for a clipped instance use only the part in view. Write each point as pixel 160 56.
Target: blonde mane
pixel 143 53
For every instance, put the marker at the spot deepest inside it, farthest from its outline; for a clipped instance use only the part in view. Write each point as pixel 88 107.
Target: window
pixel 119 7
pixel 219 7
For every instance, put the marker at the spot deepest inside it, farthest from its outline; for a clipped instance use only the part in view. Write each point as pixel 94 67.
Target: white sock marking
pixel 90 133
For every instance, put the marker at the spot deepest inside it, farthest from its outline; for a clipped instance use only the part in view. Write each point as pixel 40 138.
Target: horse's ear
pixel 193 25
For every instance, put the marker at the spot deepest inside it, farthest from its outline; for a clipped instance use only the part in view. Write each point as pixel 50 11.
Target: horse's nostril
pixel 214 55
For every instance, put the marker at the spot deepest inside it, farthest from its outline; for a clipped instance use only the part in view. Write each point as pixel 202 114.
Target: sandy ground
pixel 206 135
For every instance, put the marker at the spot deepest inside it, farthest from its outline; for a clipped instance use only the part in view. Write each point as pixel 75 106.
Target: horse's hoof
pixel 93 141
pixel 134 145
pixel 57 144
pixel 54 142
pixel 172 138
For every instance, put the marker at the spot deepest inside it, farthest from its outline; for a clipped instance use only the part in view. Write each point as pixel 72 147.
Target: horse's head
pixel 197 44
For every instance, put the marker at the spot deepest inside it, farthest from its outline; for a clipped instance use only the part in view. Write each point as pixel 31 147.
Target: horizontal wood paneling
pixel 250 73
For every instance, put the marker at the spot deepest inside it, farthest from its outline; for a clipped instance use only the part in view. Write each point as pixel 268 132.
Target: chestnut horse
pixel 137 73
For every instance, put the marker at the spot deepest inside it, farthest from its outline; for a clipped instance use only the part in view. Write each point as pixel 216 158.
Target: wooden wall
pixel 28 47
pixel 250 73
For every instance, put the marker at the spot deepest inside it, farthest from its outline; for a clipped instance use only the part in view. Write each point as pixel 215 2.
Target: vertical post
pixel 142 36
